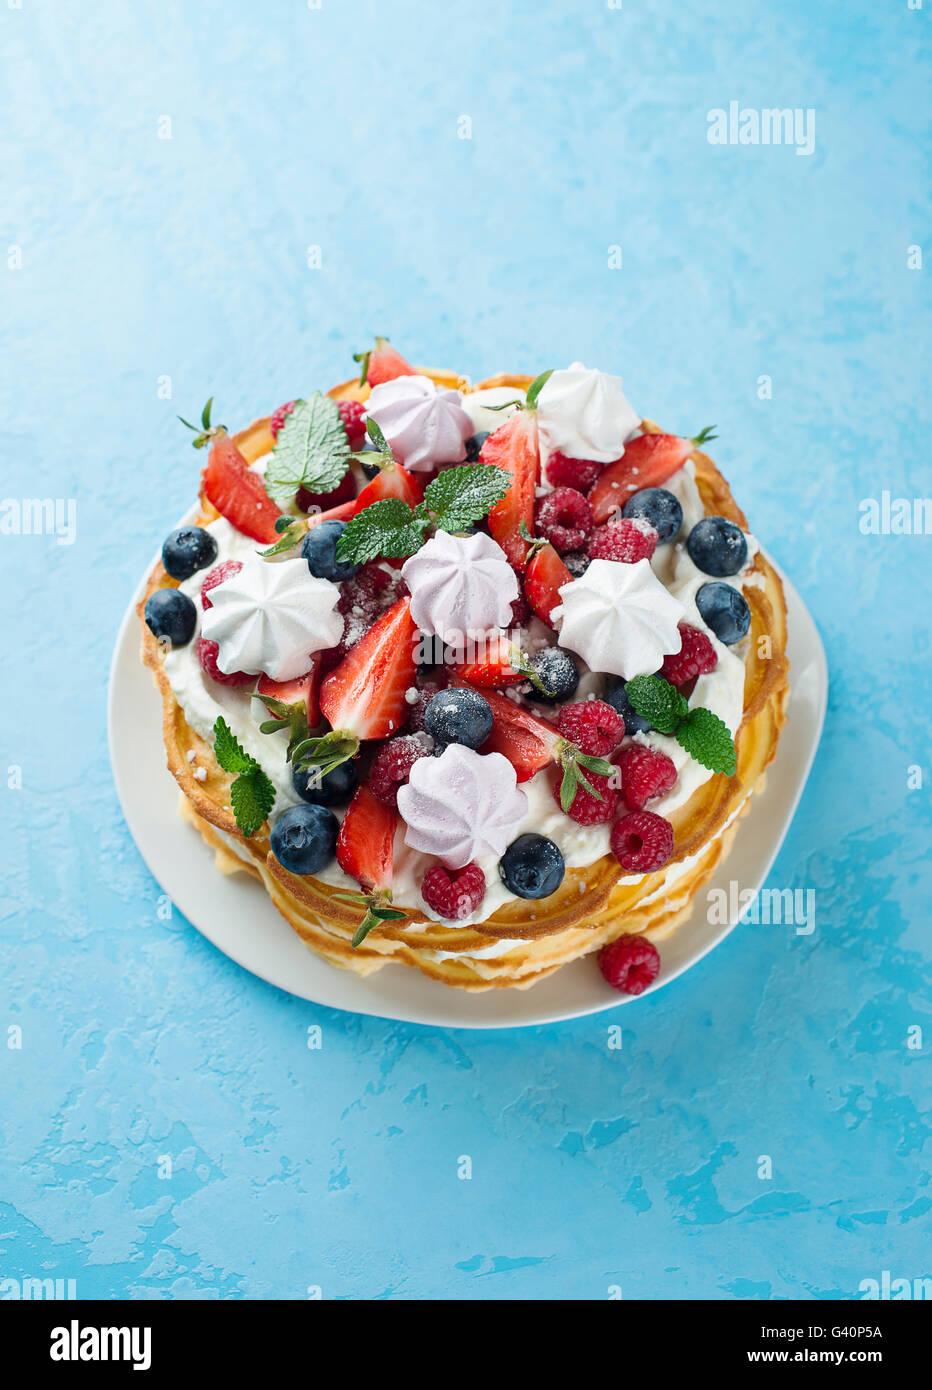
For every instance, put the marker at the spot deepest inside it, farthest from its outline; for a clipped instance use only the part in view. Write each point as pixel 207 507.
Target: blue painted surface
pixel 187 257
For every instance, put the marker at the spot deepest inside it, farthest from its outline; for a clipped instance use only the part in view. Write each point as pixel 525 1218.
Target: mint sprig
pixel 292 717
pixel 699 731
pixel 252 794
pixel 311 451
pixel 454 500
pixel 377 912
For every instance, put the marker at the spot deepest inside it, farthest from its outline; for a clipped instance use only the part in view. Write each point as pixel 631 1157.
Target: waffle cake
pixel 501 693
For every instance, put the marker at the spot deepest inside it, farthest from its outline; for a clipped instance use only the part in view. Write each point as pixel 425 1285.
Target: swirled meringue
pixel 619 618
pixel 460 584
pixel 461 806
pixel 272 617
pixel 423 423
pixel 585 414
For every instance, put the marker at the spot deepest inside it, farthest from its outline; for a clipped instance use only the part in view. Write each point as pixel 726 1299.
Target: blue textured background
pixel 187 257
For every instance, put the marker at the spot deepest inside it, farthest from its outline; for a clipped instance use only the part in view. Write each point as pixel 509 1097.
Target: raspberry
pixel 696 657
pixel 216 576
pixel 627 539
pixel 344 491
pixel 630 964
pixel 587 809
pixel 642 842
pixel 353 414
pixel 645 773
pixel 391 765
pixel 520 608
pixel 581 474
pixel 593 725
pixel 207 653
pixel 279 417
pixel 576 561
pixel 363 599
pixel 563 516
pixel 454 893
pixel 423 695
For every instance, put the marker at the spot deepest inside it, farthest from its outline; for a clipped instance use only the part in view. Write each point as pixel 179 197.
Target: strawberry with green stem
pixel 381 363
pixel 650 460
pixel 229 483
pixel 365 852
pixel 544 577
pixel 391 480
pixel 515 448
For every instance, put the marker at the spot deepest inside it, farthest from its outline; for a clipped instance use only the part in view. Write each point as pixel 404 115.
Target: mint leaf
pixel 252 797
pixel 388 527
pixel 311 451
pixel 290 535
pixel 228 751
pixel 708 739
pixel 459 496
pixel 657 701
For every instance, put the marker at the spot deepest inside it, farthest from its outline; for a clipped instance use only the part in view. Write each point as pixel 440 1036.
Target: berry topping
pixel 474 445
pixel 563 516
pixel 647 462
pixel 418 697
pixel 514 447
pixel 532 866
pixel 238 493
pixel 381 363
pixel 557 675
pixel 630 964
pixel 527 742
pixel 645 774
pixel 364 845
pixel 725 611
pixel 659 508
pixel 299 695
pixel 628 539
pixel 279 417
pixel 390 481
pixel 498 661
pixel 593 725
pixel 353 415
pixel 696 657
pixel 225 570
pixel 459 715
pixel 188 550
pixel 616 696
pixel 363 600
pixel 364 697
pixel 207 653
pixel 454 893
pixel 171 616
pixel 545 575
pixel 581 474
pixel 717 546
pixel 345 491
pixel 520 612
pixel 577 562
pixel 391 765
pixel 325 789
pixel 642 842
pixel 587 808
pixel 303 838
pixel 319 550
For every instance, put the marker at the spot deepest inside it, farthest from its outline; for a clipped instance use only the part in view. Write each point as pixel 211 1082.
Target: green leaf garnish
pixel 536 386
pixel 291 717
pixel 252 794
pixel 325 752
pixel 311 451
pixel 456 498
pixel 657 701
pixel 704 736
pixel 573 760
pixel 204 432
pixel 459 496
pixel 289 536
pixel 376 912
pixel 387 527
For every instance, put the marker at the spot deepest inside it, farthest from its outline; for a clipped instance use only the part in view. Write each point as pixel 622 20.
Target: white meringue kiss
pixel 585 414
pixel 423 423
pixel 461 806
pixel 619 618
pixel 460 584
pixel 271 617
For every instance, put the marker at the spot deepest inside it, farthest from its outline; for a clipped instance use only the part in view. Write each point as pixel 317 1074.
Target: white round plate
pixel 237 916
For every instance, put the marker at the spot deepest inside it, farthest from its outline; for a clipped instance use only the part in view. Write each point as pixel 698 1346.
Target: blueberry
pixel 319 549
pixel 532 866
pixel 304 838
pixel 170 614
pixel 370 469
pixel 557 673
pixel 616 696
pixel 717 546
pixel 576 561
pixel 659 507
pixel 188 550
pixel 474 443
pixel 329 790
pixel 458 716
pixel 725 611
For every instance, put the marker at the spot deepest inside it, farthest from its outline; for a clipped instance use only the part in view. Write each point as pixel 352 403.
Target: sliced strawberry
pixel 493 666
pixel 515 448
pixel 391 482
pixel 527 742
pixel 382 363
pixel 345 491
pixel 238 493
pixel 545 574
pixel 648 461
pixel 364 697
pixel 304 689
pixel 341 513
pixel 364 844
